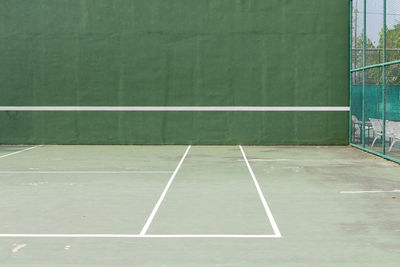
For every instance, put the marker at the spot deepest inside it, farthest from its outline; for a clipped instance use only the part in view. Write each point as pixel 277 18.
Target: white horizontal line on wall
pixel 169 108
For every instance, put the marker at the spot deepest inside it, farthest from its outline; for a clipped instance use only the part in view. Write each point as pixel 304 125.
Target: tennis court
pixel 199 133
pixel 197 206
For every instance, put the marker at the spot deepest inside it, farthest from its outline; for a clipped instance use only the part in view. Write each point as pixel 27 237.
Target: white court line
pixel 135 236
pixel 262 160
pixel 20 151
pixel 261 195
pixel 172 108
pixel 177 236
pixel 211 236
pixel 372 191
pixel 83 172
pixel 153 213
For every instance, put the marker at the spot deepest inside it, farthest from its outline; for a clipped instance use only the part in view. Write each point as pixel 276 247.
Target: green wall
pixel 174 53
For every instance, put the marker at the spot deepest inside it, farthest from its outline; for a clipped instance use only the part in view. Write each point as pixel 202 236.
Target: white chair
pixel 393 132
pixel 357 124
pixel 355 120
pixel 377 127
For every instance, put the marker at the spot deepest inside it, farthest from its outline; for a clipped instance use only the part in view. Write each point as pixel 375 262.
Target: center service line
pixel 153 213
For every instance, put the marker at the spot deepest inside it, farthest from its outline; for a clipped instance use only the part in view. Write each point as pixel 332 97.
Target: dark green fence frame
pixel 365 67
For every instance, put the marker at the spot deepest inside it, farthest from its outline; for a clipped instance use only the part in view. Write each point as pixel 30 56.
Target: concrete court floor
pixel 197 206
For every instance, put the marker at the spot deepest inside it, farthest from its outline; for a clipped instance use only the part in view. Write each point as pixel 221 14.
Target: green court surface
pixel 197 206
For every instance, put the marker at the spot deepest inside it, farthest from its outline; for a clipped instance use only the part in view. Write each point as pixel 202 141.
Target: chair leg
pixel 373 142
pixel 391 146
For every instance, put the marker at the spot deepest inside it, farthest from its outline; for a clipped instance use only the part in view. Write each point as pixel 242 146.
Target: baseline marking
pixel 83 172
pixel 261 195
pixel 133 236
pixel 171 108
pixel 155 209
pixel 20 151
pixel 211 236
pixel 372 191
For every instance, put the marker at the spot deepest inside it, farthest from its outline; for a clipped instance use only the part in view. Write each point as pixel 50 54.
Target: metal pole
pixel 384 82
pixel 364 63
pixel 350 67
pixel 355 32
pixel 378 65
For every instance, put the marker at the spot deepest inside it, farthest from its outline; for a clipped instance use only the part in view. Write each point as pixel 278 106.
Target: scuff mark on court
pixel 18 247
pixel 36 184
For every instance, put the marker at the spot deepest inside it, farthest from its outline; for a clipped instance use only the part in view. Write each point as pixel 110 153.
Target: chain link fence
pixel 375 77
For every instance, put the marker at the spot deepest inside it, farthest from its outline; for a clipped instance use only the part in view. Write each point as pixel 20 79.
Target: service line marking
pixel 19 151
pixel 263 160
pixel 262 198
pixel 83 172
pixel 173 108
pixel 157 206
pixel 137 236
pixel 371 191
pixel 211 236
